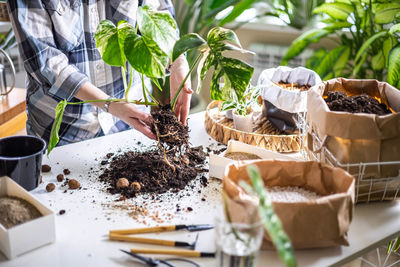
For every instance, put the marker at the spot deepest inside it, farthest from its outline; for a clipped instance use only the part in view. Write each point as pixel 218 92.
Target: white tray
pixel 30 235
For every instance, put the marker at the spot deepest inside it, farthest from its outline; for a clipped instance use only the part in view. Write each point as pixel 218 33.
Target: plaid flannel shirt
pixel 56 42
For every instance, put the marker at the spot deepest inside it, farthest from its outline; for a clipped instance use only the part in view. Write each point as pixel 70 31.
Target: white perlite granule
pixel 290 194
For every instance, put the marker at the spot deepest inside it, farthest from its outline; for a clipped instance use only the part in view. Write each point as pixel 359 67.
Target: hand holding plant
pixel 149 54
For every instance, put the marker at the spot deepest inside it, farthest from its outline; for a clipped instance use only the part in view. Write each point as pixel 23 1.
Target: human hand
pixel 179 70
pixel 133 117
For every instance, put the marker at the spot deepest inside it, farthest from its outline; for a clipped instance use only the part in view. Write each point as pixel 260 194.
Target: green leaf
pixel 236 74
pixel 237 11
pixel 206 62
pixel 299 44
pixel 150 61
pixel 185 43
pixel 341 62
pixel 378 61
pixel 387 46
pixel 110 41
pixel 394 28
pixel 386 13
pixel 393 76
pixel 329 61
pixel 226 105
pixel 340 11
pixel 55 128
pixel 368 43
pixel 159 27
pixel 338 25
pixel 316 58
pixel 218 35
pixel 358 66
pixel 271 221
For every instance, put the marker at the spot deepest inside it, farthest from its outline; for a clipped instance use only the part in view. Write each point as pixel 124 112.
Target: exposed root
pixel 162 147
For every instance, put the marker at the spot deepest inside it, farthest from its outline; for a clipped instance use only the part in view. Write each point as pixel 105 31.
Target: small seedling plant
pixel 245 105
pixel 150 52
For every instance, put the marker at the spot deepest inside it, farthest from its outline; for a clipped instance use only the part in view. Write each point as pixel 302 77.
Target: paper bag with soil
pixel 281 106
pixel 316 223
pixel 357 137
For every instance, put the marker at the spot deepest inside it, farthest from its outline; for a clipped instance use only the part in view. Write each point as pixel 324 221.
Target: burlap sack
pixel 312 224
pixel 357 137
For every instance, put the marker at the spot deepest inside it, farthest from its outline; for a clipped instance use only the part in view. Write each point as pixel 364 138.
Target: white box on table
pixel 219 162
pixel 29 235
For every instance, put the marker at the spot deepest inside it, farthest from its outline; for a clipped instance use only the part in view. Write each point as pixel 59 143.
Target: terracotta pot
pixel 243 123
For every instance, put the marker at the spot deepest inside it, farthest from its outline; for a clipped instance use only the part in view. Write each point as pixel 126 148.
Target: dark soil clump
pixel 170 131
pixel 151 172
pixel 172 166
pixel 338 101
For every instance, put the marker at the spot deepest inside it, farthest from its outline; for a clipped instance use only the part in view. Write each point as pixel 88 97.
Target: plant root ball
pixel 122 183
pixel 50 187
pixel 73 184
pixel 136 186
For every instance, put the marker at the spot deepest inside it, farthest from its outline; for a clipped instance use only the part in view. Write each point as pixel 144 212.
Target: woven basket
pixel 4 12
pixel 265 135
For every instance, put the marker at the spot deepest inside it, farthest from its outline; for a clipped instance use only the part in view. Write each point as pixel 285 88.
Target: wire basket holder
pixel 368 188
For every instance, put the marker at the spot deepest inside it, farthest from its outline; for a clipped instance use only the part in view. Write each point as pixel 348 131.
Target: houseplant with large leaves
pixel 367 33
pixel 150 52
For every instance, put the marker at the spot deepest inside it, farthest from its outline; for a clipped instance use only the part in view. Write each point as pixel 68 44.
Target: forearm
pixel 90 92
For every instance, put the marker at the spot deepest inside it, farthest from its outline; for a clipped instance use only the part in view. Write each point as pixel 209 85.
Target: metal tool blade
pixel 195 227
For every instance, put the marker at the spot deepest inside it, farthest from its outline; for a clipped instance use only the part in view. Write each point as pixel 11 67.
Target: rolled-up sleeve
pixel 43 59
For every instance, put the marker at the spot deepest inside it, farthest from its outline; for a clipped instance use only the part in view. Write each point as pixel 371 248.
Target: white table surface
pixel 91 212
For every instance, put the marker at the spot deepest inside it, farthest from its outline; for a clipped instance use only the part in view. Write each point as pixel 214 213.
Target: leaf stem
pixel 130 80
pixel 143 88
pixel 184 81
pixel 137 102
pixel 124 81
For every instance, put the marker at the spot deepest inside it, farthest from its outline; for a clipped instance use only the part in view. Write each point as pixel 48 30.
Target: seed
pixel 50 187
pixel 136 186
pixel 46 168
pixel 122 183
pixel 73 184
pixel 60 177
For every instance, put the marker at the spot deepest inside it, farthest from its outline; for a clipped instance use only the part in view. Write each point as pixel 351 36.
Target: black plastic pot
pixel 280 119
pixel 21 159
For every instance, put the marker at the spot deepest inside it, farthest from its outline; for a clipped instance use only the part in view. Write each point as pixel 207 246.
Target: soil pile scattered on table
pixel 147 172
pixel 338 101
pixel 14 211
pixel 172 166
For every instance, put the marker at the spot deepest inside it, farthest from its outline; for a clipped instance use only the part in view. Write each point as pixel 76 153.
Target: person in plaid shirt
pixel 56 41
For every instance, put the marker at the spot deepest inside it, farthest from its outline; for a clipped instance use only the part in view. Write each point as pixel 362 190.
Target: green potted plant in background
pixel 242 109
pixel 367 35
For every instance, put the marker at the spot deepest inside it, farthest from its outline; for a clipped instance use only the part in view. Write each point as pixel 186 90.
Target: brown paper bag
pixel 312 224
pixel 356 137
